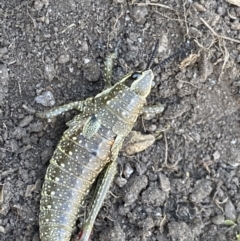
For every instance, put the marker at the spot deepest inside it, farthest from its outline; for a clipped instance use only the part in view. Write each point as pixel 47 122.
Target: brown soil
pixel 186 184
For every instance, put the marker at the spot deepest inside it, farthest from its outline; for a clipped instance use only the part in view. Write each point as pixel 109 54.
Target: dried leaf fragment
pixel 137 142
pixel 191 59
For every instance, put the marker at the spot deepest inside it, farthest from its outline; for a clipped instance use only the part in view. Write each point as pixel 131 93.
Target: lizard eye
pixel 135 75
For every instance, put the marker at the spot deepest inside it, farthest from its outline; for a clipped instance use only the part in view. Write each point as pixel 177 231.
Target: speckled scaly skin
pixel 74 166
pixel 92 142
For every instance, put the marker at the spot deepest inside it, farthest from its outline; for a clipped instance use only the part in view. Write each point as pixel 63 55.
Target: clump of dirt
pixel 186 185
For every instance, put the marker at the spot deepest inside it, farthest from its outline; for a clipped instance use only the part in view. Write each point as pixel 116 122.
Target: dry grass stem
pixel 217 35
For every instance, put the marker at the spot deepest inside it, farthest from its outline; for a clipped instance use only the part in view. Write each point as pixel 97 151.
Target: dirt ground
pixel 186 185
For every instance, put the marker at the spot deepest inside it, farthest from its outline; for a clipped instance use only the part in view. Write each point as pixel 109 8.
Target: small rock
pixel 120 181
pixel 86 61
pixel 152 176
pixel 123 210
pixel 235 156
pixel 19 132
pixel 141 168
pixel 149 116
pixel 230 211
pixel 63 58
pixel 114 233
pixel 153 196
pixel 45 99
pixel 180 231
pixel 128 170
pixel 2 229
pixel 26 121
pixel 118 1
pixel 164 182
pixel 84 47
pixel 146 224
pixel 38 5
pixel 235 26
pixel 152 128
pixel 199 7
pixel 46 154
pixel 3 51
pixel 35 127
pixel 7 198
pixel 38 186
pixel 91 71
pixel 49 72
pixel 139 14
pixel 216 155
pixel 23 174
pixel 219 219
pixel 202 189
pixel 197 34
pixel 14 145
pixel 29 190
pixel 3 81
pixel 134 187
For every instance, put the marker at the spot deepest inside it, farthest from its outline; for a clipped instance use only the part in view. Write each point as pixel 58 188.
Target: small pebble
pixel 153 196
pixel 133 189
pixel 120 181
pixel 4 77
pixel 63 58
pixel 38 5
pixel 152 128
pixel 86 61
pixel 216 155
pixel 118 1
pixel 146 224
pixel 219 219
pixel 23 173
pixel 201 190
pixel 49 72
pixel 199 7
pixel 149 116
pixel 91 72
pixel 139 14
pixel 230 211
pixel 26 121
pixel 128 170
pixel 45 99
pixel 164 182
pixel 3 51
pixel 2 229
pixel 84 47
